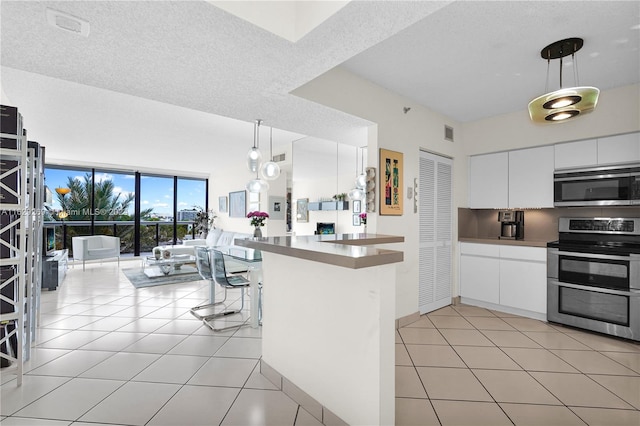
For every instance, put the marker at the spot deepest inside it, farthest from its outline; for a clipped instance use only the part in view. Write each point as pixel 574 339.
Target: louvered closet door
pixel 435 210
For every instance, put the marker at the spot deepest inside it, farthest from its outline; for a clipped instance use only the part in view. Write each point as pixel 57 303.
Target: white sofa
pixel 95 247
pixel 216 237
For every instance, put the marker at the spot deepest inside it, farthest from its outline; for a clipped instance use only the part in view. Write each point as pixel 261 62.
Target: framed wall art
pixel 237 204
pixel 302 210
pixel 277 207
pixel 222 204
pixel 357 206
pixel 356 220
pixel 391 171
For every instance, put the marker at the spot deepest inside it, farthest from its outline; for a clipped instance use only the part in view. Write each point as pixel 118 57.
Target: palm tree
pixel 107 206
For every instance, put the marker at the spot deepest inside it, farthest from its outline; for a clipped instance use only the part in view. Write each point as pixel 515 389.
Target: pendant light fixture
pixel 254 156
pixel 358 193
pixel 253 162
pixel 563 104
pixel 270 170
pixel 361 179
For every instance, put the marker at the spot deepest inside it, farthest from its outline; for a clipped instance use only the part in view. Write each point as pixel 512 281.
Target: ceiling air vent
pixel 66 22
pixel 448 133
pixel 278 158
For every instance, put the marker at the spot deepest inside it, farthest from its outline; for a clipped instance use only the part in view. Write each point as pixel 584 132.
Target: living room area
pixel 159 105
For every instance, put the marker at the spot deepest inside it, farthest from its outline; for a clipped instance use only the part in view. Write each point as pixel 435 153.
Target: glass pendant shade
pixel 361 181
pixel 270 170
pixel 563 104
pixel 253 159
pixel 257 185
pixel 357 194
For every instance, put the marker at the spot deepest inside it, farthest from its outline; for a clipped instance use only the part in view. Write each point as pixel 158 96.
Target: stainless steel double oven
pixel 593 275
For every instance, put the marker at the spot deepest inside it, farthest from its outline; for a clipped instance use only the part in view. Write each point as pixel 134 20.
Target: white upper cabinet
pixel 489 181
pixel 531 177
pixel 576 154
pixel 523 178
pixel 602 151
pixel 619 149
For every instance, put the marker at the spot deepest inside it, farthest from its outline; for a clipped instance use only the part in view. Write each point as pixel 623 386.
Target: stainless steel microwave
pixel 597 186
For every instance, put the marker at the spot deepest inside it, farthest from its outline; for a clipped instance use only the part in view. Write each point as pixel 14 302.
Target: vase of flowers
pixel 257 220
pixel 204 221
pixel 363 218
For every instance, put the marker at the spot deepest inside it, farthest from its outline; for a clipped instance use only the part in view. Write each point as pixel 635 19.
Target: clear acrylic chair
pixel 216 273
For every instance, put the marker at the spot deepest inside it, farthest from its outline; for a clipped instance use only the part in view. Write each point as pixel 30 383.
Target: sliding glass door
pixel 143 210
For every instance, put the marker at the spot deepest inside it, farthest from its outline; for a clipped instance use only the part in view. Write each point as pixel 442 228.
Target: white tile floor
pixel 463 365
pixel 110 354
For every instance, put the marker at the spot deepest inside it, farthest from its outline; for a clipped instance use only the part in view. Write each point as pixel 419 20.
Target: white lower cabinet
pixel 480 278
pixel 504 277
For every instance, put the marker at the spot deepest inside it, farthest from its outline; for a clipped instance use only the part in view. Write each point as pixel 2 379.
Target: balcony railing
pixel 152 233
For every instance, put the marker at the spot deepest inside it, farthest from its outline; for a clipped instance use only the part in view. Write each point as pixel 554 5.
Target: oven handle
pixel 631 293
pixel 594 256
pixel 595 176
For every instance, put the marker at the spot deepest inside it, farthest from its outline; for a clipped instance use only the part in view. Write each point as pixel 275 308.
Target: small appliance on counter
pixel 511 224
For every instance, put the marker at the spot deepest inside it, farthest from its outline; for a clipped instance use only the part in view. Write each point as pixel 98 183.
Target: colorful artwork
pixel 391 183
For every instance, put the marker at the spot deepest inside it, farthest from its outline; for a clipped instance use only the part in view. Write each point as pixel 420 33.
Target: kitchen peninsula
pixel 328 334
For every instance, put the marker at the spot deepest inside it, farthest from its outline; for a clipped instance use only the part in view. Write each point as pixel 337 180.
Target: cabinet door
pixel 576 154
pixel 619 149
pixel 531 177
pixel 489 181
pixel 480 278
pixel 523 285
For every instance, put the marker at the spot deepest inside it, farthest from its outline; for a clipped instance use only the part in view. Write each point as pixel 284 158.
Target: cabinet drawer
pixel 535 254
pixel 489 250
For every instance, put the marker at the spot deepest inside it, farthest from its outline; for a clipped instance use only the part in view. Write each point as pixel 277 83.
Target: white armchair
pixel 95 247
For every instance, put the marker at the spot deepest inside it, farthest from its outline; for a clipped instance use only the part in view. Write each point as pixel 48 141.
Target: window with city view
pixel 103 202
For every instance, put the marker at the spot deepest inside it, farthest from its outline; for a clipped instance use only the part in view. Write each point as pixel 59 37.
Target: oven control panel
pixel 600 225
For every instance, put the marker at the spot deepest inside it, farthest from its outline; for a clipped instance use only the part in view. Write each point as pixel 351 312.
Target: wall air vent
pixel 66 22
pixel 448 133
pixel 278 158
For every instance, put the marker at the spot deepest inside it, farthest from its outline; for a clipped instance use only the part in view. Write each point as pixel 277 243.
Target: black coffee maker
pixel 511 224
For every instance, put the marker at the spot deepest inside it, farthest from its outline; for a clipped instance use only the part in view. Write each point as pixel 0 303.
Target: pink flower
pixel 257 218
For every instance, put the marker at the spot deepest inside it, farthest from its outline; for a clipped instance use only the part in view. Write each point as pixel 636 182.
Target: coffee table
pixel 153 267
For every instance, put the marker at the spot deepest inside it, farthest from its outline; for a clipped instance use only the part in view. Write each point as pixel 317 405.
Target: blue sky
pixel 157 192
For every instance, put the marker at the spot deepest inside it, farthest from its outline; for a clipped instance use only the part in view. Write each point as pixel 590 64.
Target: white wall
pixel 421 128
pixel 80 124
pixel 233 179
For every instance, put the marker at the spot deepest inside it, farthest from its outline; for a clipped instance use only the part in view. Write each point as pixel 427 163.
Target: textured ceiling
pixel 195 55
pixel 466 59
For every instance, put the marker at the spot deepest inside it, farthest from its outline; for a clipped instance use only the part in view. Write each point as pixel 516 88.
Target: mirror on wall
pixel 323 172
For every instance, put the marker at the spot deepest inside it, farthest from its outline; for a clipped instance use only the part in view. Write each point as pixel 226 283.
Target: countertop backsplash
pixel 539 224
